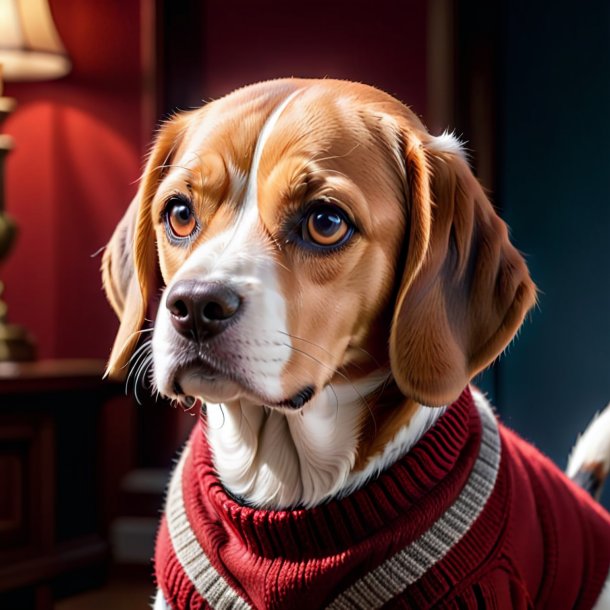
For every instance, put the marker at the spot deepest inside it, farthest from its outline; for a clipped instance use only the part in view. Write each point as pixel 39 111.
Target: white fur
pixel 448 142
pixel 603 601
pixel 160 603
pixel 593 446
pixel 276 458
pixel 480 400
pixel 238 182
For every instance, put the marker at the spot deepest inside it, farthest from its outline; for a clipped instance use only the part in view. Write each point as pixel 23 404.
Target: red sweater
pixel 471 517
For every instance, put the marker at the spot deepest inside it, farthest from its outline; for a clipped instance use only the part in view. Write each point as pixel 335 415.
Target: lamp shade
pixel 30 47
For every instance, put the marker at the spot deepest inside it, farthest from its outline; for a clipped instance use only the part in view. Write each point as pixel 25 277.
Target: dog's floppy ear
pixel 121 280
pixel 129 263
pixel 465 289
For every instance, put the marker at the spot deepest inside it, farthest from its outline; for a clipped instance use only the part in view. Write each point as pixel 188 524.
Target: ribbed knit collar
pixel 413 494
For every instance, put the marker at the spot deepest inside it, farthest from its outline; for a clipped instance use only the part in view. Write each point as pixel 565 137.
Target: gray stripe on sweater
pixel 209 583
pixel 406 567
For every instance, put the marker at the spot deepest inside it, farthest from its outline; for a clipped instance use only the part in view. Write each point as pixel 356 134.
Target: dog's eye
pixel 179 218
pixel 326 225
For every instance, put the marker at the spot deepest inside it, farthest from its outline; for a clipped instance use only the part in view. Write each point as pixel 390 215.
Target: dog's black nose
pixel 201 310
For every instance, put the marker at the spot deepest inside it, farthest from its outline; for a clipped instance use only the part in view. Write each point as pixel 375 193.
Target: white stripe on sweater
pixel 208 582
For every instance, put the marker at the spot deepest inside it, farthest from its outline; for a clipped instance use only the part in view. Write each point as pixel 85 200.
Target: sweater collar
pixel 413 493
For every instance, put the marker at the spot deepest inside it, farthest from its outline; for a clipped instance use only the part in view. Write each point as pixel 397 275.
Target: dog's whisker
pixel 135 371
pixel 154 390
pixel 143 331
pixel 142 367
pixel 308 355
pixel 133 367
pixel 342 375
pixel 142 354
pixel 338 372
pixel 332 389
pixel 367 353
pixel 140 374
pixel 133 334
pixel 147 345
pixel 282 264
pixel 144 374
pixel 146 379
pixel 312 343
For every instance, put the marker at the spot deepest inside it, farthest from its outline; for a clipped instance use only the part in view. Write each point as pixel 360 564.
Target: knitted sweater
pixel 471 517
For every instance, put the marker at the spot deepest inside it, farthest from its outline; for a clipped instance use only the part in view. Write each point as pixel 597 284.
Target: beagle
pixel 334 276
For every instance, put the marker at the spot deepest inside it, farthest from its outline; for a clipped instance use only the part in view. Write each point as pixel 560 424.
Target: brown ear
pixel 465 289
pixel 129 262
pixel 120 284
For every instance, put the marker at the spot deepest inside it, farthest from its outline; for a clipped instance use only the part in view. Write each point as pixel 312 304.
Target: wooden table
pixel 50 521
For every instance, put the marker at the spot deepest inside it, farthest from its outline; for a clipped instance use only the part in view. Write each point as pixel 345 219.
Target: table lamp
pixel 30 50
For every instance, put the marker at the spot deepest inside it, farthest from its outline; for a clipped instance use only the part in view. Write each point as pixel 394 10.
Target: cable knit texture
pixel 471 517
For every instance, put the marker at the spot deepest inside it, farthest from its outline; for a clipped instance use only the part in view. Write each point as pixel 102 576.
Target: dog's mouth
pixel 299 400
pixel 203 380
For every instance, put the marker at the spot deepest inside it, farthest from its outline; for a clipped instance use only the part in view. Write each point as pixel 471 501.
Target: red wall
pixel 71 175
pixel 379 42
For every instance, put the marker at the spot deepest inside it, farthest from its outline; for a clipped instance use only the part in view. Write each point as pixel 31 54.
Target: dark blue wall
pixel 555 177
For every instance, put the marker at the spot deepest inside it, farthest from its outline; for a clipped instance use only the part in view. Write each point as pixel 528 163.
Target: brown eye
pixel 180 219
pixel 326 225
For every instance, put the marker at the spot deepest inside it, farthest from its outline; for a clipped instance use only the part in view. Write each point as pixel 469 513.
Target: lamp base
pixel 16 344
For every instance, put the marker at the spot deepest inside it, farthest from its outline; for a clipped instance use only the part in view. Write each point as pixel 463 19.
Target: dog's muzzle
pixel 202 310
pixel 198 360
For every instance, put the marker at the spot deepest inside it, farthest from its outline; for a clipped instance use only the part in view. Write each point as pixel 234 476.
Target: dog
pixel 333 277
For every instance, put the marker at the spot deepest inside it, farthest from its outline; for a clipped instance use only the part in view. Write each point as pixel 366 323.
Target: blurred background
pixel 526 85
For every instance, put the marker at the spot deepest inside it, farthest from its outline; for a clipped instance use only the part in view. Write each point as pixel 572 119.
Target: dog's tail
pixel 589 461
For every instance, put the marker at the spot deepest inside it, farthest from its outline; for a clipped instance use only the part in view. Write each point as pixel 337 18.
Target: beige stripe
pixel 406 567
pixel 208 582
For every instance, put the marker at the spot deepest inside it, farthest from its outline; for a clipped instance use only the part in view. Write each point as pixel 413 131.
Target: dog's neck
pixel 278 459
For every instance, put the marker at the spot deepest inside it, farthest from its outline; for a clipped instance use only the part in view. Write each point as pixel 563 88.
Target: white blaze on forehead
pixel 249 211
pixel 227 251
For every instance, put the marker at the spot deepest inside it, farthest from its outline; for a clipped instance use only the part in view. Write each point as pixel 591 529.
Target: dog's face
pixel 307 232
pixel 281 267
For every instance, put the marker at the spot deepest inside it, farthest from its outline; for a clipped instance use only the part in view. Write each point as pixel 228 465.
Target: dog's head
pixel 308 231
